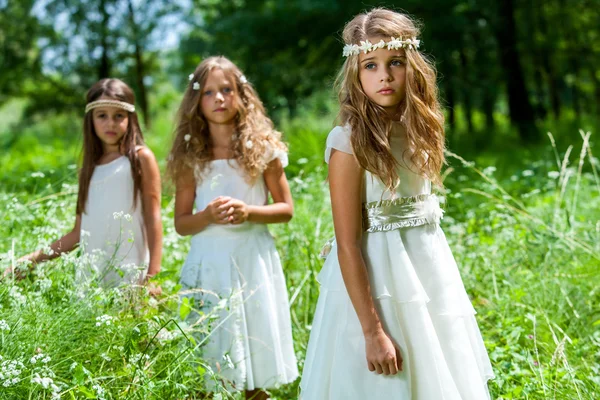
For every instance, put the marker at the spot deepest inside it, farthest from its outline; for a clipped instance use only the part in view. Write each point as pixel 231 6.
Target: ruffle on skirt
pixel 250 340
pixel 424 308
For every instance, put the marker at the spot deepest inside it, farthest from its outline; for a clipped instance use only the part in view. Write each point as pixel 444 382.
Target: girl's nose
pixel 219 96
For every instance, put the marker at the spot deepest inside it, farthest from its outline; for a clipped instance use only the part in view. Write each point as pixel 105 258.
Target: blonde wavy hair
pixel 422 118
pixel 252 124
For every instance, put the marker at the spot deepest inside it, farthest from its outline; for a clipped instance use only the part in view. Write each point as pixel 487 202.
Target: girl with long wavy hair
pixel 225 160
pixel 393 320
pixel 117 218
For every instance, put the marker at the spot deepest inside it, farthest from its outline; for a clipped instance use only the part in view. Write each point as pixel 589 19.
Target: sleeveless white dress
pixel 238 267
pixel 421 300
pixel 113 236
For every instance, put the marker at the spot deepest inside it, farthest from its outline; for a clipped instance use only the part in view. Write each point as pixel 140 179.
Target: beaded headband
pixel 110 103
pixel 366 46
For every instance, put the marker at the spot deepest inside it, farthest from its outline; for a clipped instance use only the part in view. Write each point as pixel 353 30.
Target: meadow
pixel 523 223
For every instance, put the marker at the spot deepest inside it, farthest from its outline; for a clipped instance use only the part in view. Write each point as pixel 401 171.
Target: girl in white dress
pixel 226 159
pixel 117 221
pixel 393 320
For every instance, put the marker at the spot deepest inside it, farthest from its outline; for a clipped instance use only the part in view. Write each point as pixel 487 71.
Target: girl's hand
pixel 382 355
pixel 238 211
pixel 217 210
pixel 153 289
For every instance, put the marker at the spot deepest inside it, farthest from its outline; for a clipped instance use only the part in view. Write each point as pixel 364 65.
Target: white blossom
pixel 249 144
pixel 190 77
pixel 187 137
pixel 196 86
pixel 4 325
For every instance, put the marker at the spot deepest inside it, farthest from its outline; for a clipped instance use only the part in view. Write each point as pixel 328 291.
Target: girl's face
pixel 110 124
pixel 219 98
pixel 382 74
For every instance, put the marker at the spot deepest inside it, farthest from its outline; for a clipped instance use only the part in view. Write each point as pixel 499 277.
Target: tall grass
pixel 526 238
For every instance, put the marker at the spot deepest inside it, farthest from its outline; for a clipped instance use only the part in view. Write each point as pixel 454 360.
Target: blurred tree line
pixel 529 59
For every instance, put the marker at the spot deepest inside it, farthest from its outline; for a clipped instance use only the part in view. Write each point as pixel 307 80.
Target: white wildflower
pixel 127 217
pixel 37 175
pixel 190 77
pixel 4 326
pixel 489 170
pixel 104 320
pixel 249 144
pixel 527 172
pixel 196 86
pixel 187 137
pixel 118 215
pixel 243 79
pixel 553 174
pixel 106 357
pixel 45 382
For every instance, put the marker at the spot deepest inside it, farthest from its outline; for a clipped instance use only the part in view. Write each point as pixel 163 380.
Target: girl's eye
pixel 100 115
pixel 370 66
pixel 397 63
pixel 227 90
pixel 208 93
pixel 120 116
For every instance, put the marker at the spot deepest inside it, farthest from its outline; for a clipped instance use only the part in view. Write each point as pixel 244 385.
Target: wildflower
pixel 127 217
pixel 37 175
pixel 243 79
pixel 4 326
pixel 187 137
pixel 249 144
pixel 104 320
pixel 553 174
pixel 196 86
pixel 118 215
pixel 489 170
pixel 190 77
pixel 527 172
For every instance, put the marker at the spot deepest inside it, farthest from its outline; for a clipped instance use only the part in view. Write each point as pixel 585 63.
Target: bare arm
pixel 345 181
pixel 151 208
pixel 63 245
pixel 186 221
pixel 282 208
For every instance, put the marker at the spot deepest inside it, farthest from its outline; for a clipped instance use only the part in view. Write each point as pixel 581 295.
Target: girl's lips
pixel 220 109
pixel 386 91
pixel 111 133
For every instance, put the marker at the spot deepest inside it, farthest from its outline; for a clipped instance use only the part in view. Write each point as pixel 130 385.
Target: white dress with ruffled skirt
pixel 420 298
pixel 238 270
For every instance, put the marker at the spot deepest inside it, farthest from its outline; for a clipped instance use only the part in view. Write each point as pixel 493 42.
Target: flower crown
pixel 394 44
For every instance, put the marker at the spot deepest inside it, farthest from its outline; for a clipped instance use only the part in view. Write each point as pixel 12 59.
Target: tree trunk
pixel 104 67
pixel 520 109
pixel 139 67
pixel 467 92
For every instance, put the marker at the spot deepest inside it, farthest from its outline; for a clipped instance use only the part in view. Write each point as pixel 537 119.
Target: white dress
pixel 113 237
pixel 422 303
pixel 250 342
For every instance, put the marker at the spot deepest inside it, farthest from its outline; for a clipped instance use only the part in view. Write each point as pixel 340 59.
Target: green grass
pixel 526 237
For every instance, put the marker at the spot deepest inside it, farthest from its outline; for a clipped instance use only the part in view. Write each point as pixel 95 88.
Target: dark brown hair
pixel 114 89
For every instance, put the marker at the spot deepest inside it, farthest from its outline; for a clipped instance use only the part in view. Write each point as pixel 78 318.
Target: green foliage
pixel 524 231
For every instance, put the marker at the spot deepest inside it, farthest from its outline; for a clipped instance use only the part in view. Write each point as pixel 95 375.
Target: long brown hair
pixel 371 127
pixel 92 145
pixel 252 125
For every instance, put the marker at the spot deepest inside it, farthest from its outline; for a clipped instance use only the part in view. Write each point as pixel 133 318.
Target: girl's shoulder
pixel 338 139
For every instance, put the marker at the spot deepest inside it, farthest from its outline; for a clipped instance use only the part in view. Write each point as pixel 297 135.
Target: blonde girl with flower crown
pixel 117 222
pixel 393 320
pixel 225 160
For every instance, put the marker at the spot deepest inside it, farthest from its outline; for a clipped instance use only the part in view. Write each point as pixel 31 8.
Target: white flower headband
pixel 196 85
pixel 394 44
pixel 110 103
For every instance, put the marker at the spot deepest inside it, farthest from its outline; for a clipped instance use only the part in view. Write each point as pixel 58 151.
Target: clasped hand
pixel 226 210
